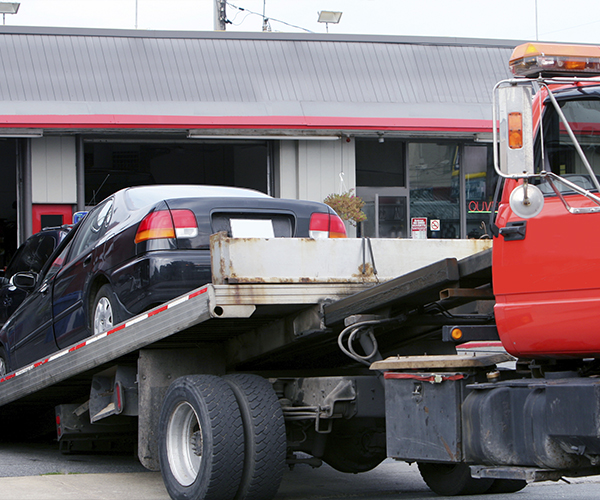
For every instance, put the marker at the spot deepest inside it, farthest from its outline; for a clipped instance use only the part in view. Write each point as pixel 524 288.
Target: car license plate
pixel 252 228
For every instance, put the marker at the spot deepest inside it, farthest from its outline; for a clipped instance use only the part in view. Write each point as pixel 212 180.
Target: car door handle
pixel 87 260
pixel 44 289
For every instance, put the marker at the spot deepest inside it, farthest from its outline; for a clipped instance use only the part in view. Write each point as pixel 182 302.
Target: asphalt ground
pixel 40 472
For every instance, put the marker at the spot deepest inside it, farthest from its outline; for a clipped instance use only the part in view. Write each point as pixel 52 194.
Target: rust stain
pixel 448 450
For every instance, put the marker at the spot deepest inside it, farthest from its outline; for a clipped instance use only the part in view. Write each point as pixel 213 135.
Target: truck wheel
pixel 264 436
pixel 104 311
pixel 355 445
pixel 452 479
pixel 201 439
pixel 507 486
pixel 3 363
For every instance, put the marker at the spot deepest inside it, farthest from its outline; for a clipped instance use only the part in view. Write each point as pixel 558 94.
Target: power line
pixel 265 19
pixel 571 27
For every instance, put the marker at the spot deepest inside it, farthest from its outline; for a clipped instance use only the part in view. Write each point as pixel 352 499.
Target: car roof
pixel 140 196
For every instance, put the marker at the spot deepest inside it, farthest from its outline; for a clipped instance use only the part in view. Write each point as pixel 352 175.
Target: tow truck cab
pixel 545 266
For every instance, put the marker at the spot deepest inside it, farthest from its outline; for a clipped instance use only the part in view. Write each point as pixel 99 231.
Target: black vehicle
pixel 140 247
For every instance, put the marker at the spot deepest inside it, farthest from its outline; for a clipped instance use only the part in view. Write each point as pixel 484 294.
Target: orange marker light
pixel 457 334
pixel 515 130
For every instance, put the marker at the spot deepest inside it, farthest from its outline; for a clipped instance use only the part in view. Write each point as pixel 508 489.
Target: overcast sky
pixel 557 20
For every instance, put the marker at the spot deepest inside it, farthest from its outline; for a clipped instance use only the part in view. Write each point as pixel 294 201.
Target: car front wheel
pixel 3 363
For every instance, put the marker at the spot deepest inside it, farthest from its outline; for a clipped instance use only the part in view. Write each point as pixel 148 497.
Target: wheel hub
pixel 103 319
pixel 196 442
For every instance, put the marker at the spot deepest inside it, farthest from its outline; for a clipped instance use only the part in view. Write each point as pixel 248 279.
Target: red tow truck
pixel 485 429
pixel 224 387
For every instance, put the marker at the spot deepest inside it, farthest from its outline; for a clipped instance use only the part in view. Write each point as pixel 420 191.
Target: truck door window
pixel 560 154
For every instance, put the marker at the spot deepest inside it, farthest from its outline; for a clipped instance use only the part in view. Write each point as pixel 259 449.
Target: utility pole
pixel 536 21
pixel 220 15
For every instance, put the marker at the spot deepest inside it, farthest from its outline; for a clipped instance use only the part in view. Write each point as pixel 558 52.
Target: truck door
pixel 546 268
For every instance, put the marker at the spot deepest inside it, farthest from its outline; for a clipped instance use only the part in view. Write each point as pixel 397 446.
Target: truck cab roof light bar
pixel 548 59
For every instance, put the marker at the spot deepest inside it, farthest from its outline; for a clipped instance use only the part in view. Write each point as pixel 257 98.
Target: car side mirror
pixel 24 280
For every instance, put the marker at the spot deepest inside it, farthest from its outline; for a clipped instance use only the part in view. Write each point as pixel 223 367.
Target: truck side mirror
pixel 515 131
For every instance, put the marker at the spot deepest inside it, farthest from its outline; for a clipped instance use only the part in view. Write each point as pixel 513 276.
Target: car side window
pixel 57 263
pixel 33 254
pixel 94 226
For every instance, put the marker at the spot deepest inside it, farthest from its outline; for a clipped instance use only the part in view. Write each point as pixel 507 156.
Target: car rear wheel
pixel 104 312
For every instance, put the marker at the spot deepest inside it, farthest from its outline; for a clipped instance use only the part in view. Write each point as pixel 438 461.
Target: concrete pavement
pixel 388 480
pixel 391 480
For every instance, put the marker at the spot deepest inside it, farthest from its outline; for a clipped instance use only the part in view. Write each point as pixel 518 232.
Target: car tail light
pixel 326 226
pixel 185 223
pixel 167 224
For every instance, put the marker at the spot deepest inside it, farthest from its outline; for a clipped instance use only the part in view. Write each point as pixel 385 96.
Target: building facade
pixel 405 122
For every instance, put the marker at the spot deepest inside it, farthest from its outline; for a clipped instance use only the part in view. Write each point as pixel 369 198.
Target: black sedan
pixel 141 247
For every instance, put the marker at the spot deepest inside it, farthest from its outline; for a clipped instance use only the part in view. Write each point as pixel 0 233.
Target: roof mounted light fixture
pixel 259 135
pixel 329 16
pixel 8 8
pixel 21 133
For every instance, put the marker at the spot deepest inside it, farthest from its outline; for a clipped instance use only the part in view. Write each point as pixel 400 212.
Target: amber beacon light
pixel 551 59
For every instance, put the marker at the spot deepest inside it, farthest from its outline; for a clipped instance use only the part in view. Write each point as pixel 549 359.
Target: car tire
pixel 201 439
pixel 4 369
pixel 104 313
pixel 452 479
pixel 264 436
pixel 507 486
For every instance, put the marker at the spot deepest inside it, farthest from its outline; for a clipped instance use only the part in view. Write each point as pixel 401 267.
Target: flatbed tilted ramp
pixel 263 326
pixel 179 315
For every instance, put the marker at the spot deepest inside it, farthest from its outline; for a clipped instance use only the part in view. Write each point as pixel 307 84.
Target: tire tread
pixel 265 436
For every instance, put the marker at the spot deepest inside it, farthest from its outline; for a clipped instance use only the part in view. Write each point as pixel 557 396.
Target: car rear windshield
pixel 143 196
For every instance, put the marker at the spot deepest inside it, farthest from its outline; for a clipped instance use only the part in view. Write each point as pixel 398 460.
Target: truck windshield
pixel 560 155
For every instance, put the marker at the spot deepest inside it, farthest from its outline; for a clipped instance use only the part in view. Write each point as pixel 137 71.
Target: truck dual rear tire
pixel 265 440
pixel 201 439
pixel 222 438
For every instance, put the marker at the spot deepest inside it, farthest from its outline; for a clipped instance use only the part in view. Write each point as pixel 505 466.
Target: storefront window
pixel 434 173
pixel 381 183
pixel 425 189
pixel 480 182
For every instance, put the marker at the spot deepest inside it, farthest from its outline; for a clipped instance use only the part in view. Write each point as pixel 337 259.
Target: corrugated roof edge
pixel 238 35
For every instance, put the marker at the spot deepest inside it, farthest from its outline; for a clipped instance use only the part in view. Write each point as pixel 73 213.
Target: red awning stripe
pixel 245 122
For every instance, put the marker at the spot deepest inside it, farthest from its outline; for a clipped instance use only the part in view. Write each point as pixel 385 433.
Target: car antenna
pixel 93 200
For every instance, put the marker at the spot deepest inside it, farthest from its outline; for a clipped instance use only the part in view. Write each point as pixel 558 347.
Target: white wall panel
pixel 310 170
pixel 54 176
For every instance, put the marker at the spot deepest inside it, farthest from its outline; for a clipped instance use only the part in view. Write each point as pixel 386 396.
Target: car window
pixel 33 254
pixel 92 229
pixel 57 263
